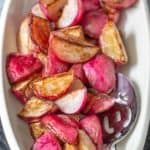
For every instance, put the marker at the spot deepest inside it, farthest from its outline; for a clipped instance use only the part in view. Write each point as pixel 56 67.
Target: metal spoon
pixel 115 117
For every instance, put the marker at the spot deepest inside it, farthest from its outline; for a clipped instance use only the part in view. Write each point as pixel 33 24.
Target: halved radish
pixel 47 142
pixel 37 129
pixel 52 8
pixel 63 130
pixel 54 86
pixel 119 4
pixel 73 102
pixel 100 72
pixel 36 10
pixel 92 127
pixel 112 44
pixel 85 143
pixel 89 5
pixel 70 147
pixel 71 15
pixel 40 31
pixel 72 52
pixel 35 108
pixel 93 22
pixel 19 68
pixel 79 72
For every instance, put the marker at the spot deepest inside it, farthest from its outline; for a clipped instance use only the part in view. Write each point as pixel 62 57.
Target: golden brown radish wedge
pixel 52 8
pixel 85 143
pixel 37 129
pixel 19 68
pixel 61 128
pixel 73 102
pixel 40 30
pixel 72 52
pixel 53 87
pixel 71 14
pixel 47 142
pixel 112 44
pixel 70 147
pixel 35 108
pixel 36 11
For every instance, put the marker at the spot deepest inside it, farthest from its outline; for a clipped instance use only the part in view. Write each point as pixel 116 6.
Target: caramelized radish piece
pixel 35 108
pixel 47 142
pixel 85 142
pixel 89 5
pixel 119 4
pixel 79 72
pixel 40 30
pixel 100 72
pixel 52 8
pixel 71 15
pixel 93 23
pixel 70 147
pixel 36 11
pixel 92 127
pixel 37 129
pixel 54 65
pixel 71 52
pixel 73 102
pixel 112 44
pixel 19 66
pixel 61 128
pixel 53 87
pixel 99 103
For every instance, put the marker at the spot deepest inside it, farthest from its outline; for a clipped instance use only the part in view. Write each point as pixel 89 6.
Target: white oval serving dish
pixel 135 28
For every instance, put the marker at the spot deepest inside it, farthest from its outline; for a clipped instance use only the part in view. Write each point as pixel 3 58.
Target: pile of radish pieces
pixel 64 73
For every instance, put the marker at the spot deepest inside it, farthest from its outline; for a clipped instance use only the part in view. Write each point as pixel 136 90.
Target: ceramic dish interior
pixel 134 26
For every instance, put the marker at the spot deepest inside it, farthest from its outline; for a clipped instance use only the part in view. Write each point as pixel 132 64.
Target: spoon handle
pixel 109 147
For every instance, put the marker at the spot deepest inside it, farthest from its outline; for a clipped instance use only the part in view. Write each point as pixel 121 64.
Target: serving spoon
pixel 120 120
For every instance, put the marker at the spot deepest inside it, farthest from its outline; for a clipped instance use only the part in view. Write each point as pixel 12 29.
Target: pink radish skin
pixel 120 5
pixel 79 72
pixel 89 5
pixel 71 15
pixel 73 102
pixel 19 66
pixel 93 23
pixel 100 72
pixel 47 142
pixel 61 128
pixel 92 126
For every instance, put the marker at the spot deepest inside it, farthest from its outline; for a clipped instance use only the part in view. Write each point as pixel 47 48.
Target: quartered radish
pixel 52 8
pixel 19 66
pixel 112 44
pixel 61 128
pixel 54 86
pixel 93 22
pixel 47 142
pixel 72 14
pixel 36 10
pixel 72 52
pixel 100 72
pixel 72 102
pixel 92 126
pixel 35 108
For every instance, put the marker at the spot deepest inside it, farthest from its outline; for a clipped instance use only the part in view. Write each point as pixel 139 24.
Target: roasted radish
pixel 20 67
pixel 100 72
pixel 92 127
pixel 112 44
pixel 53 87
pixel 72 52
pixel 62 129
pixel 72 102
pixel 47 142
pixel 72 14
